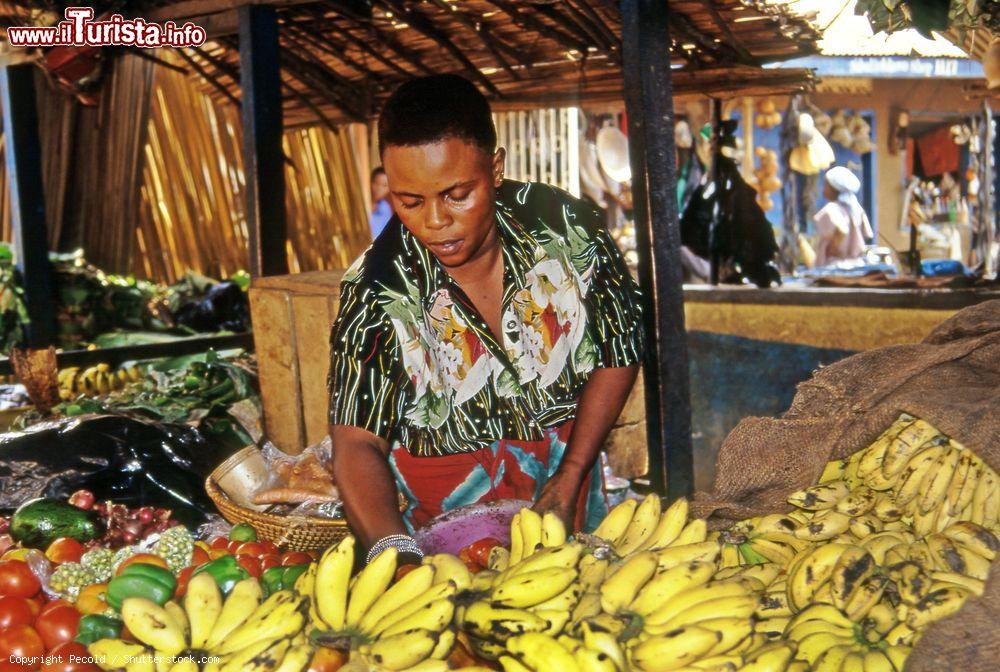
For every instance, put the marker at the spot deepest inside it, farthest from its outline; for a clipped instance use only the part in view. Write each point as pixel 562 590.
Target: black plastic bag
pixel 127 460
pixel 224 307
pixel 744 242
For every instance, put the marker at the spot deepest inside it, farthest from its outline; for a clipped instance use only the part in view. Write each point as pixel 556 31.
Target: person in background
pixel 842 225
pixel 381 209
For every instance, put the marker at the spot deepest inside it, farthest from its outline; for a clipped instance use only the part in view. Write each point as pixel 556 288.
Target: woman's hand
pixel 559 496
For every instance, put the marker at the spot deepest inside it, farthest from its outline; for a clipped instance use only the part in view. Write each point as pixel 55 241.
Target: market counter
pixel 749 348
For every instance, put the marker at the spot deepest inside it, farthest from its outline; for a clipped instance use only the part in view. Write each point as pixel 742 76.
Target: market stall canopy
pixel 340 59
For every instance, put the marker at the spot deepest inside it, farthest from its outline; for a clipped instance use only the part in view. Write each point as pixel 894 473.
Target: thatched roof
pixel 340 58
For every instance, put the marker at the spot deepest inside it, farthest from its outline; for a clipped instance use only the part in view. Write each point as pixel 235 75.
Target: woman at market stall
pixel 487 340
pixel 842 225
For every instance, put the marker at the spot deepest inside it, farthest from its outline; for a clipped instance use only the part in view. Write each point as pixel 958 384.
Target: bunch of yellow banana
pixel 537 652
pixel 932 479
pixel 759 540
pixel 239 634
pixel 829 641
pixel 392 626
pixel 843 575
pixel 538 594
pixel 95 381
pixel 529 532
pixel 634 527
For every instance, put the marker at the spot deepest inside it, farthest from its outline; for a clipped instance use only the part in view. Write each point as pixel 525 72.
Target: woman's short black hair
pixel 430 109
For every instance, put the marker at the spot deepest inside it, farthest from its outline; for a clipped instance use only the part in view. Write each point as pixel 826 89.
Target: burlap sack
pixel 951 379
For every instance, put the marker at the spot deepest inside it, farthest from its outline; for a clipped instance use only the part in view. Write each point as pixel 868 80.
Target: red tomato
pixel 182 580
pixel 142 559
pixel 15 611
pixel 65 549
pixel 219 543
pixel 291 558
pixel 479 551
pixel 269 547
pixel 199 557
pixel 57 626
pixel 250 548
pixel 251 564
pixel 54 604
pixel 23 642
pixel 269 560
pixel 17 579
pixel 232 546
pixel 69 657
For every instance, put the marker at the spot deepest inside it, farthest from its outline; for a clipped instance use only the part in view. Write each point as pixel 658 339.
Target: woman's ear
pixel 498 162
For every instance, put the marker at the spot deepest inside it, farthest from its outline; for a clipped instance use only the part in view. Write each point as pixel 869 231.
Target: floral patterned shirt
pixel 412 360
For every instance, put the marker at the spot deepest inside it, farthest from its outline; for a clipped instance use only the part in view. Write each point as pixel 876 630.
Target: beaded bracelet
pixel 401 542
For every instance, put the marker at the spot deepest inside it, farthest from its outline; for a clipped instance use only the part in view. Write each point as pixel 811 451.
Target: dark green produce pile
pixel 94 307
pixel 199 390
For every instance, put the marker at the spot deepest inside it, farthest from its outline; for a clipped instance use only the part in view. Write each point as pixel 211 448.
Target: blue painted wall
pixel 734 377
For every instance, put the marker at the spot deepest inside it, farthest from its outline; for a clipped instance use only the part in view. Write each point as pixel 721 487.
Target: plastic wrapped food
pixel 297 479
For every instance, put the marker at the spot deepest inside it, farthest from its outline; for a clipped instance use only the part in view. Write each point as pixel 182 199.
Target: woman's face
pixel 444 193
pixel 829 193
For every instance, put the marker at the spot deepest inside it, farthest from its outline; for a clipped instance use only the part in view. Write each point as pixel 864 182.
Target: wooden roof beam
pixel 734 42
pixel 533 24
pixel 320 79
pixel 481 34
pixel 686 30
pixel 422 24
pixel 199 11
pixel 598 22
pixel 359 13
pixel 210 78
pixel 327 46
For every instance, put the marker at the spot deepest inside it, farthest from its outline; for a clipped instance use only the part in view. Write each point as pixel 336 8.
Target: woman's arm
pixel 604 395
pixel 367 487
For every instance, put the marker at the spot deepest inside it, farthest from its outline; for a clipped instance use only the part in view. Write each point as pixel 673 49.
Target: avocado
pixel 38 523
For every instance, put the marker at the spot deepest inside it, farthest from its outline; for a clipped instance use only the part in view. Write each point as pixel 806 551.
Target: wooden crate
pixel 292 316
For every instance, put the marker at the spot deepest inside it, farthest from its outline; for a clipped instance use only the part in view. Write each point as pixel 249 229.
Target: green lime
pixel 243 532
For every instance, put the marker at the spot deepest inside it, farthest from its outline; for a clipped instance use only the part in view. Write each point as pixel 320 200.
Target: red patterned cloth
pixel 505 470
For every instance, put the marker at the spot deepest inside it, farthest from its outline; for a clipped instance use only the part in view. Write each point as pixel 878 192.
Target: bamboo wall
pixel 193 187
pixel 151 181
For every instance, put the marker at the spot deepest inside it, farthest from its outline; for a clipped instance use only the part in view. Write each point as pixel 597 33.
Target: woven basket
pixel 230 487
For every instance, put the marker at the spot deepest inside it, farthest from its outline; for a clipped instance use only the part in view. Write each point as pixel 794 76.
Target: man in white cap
pixel 841 225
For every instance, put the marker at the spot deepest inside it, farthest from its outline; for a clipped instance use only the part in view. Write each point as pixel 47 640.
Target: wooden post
pixel 649 103
pixel 263 159
pixel 27 201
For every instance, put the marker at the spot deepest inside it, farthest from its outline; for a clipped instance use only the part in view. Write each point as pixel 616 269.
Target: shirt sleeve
pixel 365 380
pixel 614 304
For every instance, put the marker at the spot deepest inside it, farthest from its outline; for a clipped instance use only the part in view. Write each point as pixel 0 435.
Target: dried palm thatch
pixel 341 59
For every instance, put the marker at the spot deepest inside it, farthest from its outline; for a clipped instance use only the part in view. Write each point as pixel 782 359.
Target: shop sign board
pixel 888 67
